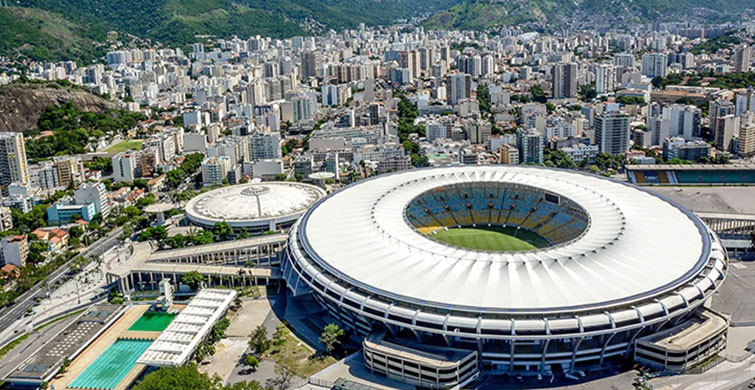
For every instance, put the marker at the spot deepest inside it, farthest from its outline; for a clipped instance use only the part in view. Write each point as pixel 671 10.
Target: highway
pixel 9 315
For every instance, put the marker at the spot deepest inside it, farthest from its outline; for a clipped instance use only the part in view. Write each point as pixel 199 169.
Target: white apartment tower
pixel 13 165
pixel 612 132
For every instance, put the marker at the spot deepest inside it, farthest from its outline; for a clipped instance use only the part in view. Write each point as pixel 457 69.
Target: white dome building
pixel 255 206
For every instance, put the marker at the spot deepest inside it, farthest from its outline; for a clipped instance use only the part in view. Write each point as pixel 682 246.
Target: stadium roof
pixel 253 204
pixel 690 167
pixel 637 245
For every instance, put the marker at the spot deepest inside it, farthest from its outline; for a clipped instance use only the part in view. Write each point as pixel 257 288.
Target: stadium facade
pixel 624 276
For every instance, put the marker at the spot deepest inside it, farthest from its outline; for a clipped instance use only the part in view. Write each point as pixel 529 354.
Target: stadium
pixel 256 207
pixel 446 273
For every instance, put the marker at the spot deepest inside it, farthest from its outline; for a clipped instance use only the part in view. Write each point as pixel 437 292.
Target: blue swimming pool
pixel 112 366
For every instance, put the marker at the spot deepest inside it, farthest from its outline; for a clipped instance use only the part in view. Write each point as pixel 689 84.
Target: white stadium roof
pixel 636 246
pixel 253 204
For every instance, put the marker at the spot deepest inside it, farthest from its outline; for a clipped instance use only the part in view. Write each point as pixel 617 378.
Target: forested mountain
pixel 550 14
pixel 75 29
pixel 46 36
pixel 179 21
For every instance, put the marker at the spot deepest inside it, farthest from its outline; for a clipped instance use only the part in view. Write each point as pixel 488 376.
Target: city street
pixel 12 319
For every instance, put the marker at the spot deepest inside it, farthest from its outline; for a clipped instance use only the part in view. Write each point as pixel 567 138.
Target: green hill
pixel 39 35
pixel 180 21
pixel 548 14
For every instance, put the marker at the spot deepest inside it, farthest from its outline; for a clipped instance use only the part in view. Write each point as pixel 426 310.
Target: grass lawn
pixel 494 238
pixel 297 356
pixel 13 344
pixel 133 144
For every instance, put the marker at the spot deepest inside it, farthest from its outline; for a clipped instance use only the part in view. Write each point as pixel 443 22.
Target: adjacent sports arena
pixel 568 272
pixel 255 207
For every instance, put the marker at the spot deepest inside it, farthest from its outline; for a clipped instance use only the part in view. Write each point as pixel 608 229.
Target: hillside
pixel 547 14
pixel 39 35
pixel 21 105
pixel 180 21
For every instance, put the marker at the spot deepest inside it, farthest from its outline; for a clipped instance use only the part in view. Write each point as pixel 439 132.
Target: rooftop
pixel 631 231
pixel 254 203
pixel 180 339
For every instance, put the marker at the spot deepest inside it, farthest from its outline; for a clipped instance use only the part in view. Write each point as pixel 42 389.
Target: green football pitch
pixel 494 238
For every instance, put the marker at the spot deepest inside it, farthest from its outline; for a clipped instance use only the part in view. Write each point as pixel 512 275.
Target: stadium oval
pixel 620 263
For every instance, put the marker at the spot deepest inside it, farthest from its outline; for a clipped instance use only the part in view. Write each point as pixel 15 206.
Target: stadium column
pixel 605 346
pixel 544 354
pixel 574 353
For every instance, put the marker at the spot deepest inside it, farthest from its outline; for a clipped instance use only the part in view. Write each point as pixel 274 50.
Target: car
pixel 751 385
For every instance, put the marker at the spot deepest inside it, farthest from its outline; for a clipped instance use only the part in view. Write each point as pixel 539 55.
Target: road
pixel 9 315
pixel 36 340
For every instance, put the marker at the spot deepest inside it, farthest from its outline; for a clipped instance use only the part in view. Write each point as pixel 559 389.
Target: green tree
pixel 202 238
pixel 331 337
pixel 537 94
pixel 178 378
pixel 193 279
pixel 222 231
pixel 251 361
pixel 587 93
pixel 258 341
pixel 280 334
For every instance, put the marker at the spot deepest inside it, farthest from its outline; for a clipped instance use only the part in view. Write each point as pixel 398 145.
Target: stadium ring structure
pixel 622 264
pixel 256 206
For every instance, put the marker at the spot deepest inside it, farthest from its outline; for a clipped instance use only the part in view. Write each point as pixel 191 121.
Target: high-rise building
pixel 725 129
pixel 624 60
pixel 374 111
pixel 264 145
pixel 745 101
pixel 488 65
pixel 304 107
pixel 612 132
pixel 44 176
pixel 94 193
pixel 70 170
pixel 746 144
pixel 13 165
pixel 530 145
pixel 742 58
pixel 458 87
pixel 678 147
pixel 406 60
pixel 722 132
pixel 565 81
pixel 654 64
pixel 684 121
pixel 124 166
pixel 719 108
pixel 605 78
pixel 659 129
pixel 215 170
pixel 311 64
pixel 148 160
pixel 329 94
pixel 6 219
pixel 478 132
pixel 509 154
pixel 436 130
pixel 14 250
